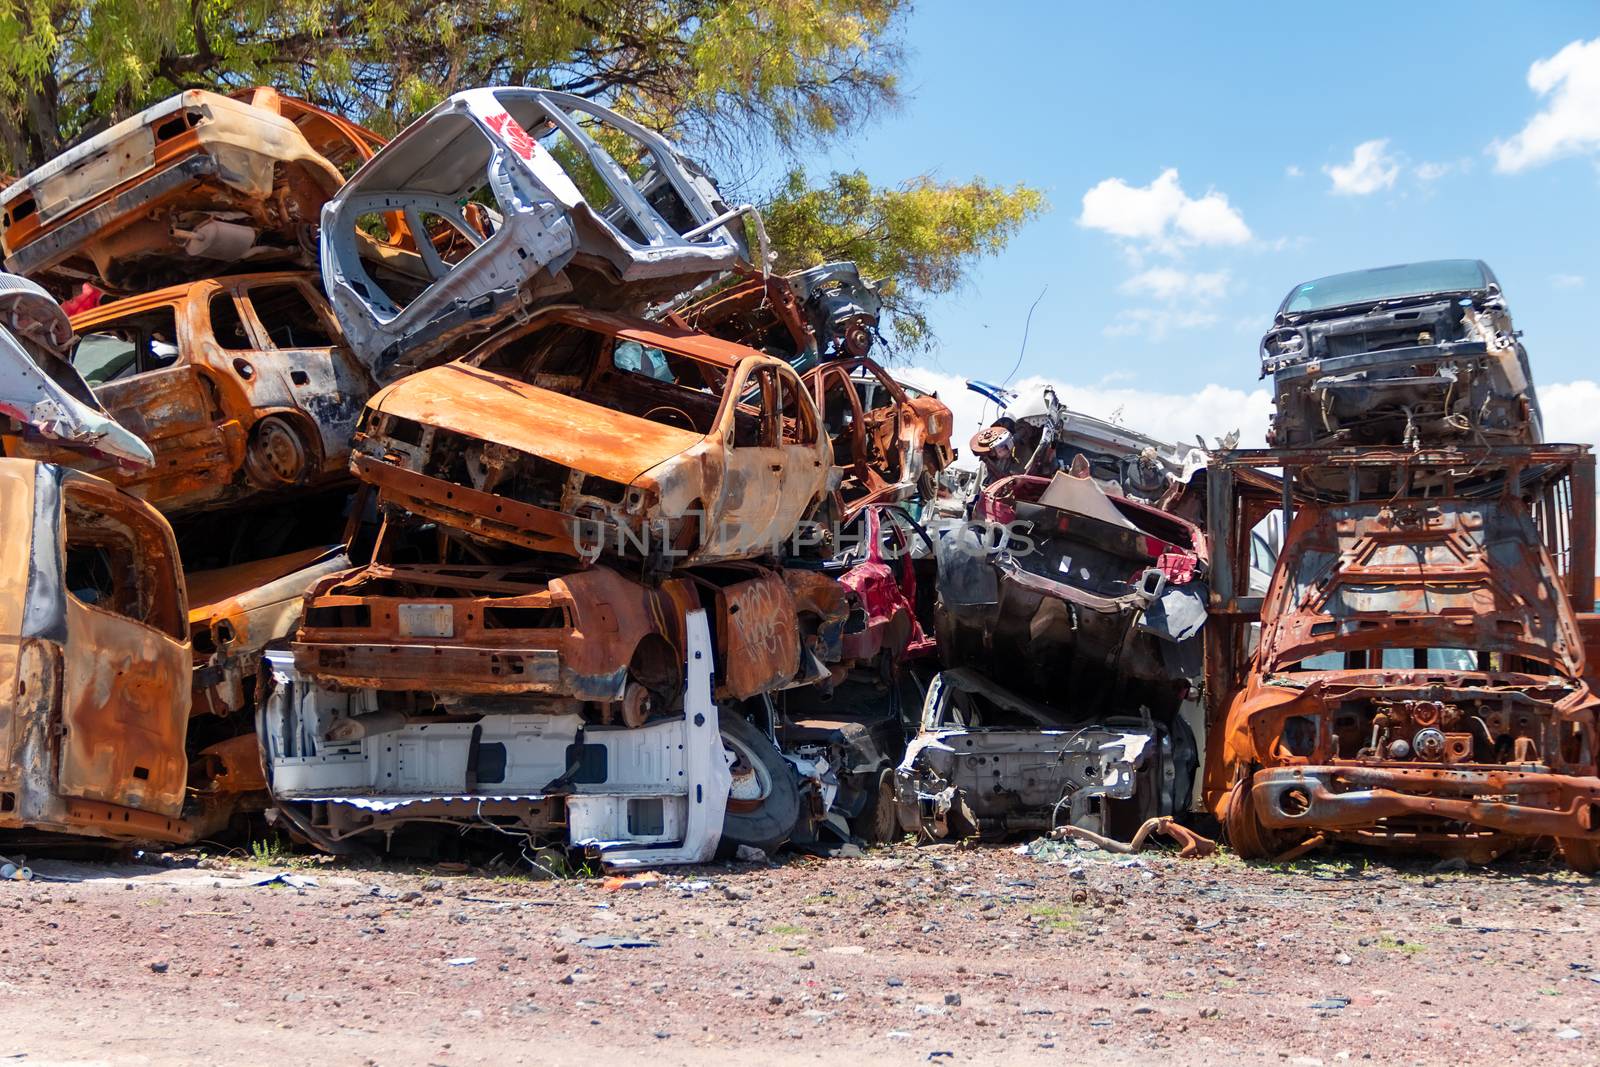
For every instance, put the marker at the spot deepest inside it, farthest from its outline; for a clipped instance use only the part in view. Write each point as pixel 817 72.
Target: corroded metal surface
pixel 712 453
pixel 147 201
pixel 228 417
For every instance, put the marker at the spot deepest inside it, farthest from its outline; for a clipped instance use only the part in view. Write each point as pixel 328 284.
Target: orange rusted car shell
pixel 240 385
pixel 593 434
pixel 1419 679
pixel 94 659
pixel 195 181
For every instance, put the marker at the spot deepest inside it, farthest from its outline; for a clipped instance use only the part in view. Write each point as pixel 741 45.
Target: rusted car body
pixel 592 434
pixel 346 763
pixel 586 203
pixel 186 187
pixel 809 317
pixel 236 612
pixel 988 762
pixel 1419 678
pixel 114 722
pixel 591 635
pixel 1038 435
pixel 95 659
pixel 241 385
pixel 890 443
pixel 1076 593
pixel 1409 355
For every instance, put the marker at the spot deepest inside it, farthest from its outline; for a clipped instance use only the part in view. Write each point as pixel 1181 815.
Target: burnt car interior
pixel 115 350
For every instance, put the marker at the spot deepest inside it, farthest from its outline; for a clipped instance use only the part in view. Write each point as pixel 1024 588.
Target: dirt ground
pixel 908 955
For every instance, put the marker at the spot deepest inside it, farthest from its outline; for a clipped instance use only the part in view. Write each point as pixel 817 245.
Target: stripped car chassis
pixel 341 767
pixel 987 762
pixel 1471 759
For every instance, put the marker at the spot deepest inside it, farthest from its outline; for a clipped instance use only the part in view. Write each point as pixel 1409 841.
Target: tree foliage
pixel 922 236
pixel 735 81
pixel 775 71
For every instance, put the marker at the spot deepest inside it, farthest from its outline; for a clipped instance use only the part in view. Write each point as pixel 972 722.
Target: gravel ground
pixel 908 955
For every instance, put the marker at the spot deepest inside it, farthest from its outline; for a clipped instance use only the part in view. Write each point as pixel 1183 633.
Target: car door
pixel 741 521
pixel 146 371
pixel 302 363
pixel 125 694
pixel 805 457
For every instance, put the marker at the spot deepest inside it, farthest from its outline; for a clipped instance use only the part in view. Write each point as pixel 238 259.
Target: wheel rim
pixel 752 781
pixel 277 455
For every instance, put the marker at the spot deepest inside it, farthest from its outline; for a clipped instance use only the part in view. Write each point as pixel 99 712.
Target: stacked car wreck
pixel 490 538
pixel 1418 672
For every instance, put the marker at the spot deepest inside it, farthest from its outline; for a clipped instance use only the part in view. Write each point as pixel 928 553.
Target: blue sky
pixel 1164 284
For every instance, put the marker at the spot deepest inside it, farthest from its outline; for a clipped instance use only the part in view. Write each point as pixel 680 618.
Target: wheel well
pixel 654 665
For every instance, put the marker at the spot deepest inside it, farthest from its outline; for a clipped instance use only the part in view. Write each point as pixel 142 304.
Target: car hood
pixel 39 387
pixel 563 429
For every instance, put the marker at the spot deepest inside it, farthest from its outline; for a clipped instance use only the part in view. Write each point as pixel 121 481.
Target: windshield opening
pixel 1418 659
pixel 1386 283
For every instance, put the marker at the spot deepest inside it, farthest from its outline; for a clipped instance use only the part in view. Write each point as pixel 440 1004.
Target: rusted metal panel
pixel 236 612
pixel 492 630
pixel 193 181
pixel 608 444
pixel 759 635
pixel 710 453
pixel 122 720
pixel 227 417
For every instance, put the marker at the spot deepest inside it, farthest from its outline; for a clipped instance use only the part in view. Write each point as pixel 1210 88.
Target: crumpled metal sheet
pixel 40 388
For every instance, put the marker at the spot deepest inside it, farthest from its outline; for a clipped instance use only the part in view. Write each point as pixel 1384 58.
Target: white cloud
pixel 1168 283
pixel 1567 281
pixel 1571 412
pixel 1293 171
pixel 1370 169
pixel 1162 214
pixel 1210 412
pixel 1569 83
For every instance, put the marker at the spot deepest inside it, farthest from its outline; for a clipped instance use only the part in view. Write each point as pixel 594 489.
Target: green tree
pixel 724 74
pixel 735 81
pixel 921 236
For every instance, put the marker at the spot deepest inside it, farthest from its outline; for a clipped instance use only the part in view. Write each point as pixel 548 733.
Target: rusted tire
pixel 764 804
pixel 276 456
pixel 1243 829
pixel 878 823
pixel 1582 854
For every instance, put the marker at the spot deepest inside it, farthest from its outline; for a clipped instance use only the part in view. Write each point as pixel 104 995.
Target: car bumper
pixel 1339 798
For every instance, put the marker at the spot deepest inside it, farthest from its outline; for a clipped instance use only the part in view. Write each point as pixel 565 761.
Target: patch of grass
pixel 787 930
pixel 1055 916
pixel 1392 943
pixel 269 851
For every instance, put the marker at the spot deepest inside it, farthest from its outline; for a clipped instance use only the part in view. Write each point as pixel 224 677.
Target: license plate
pixel 427 620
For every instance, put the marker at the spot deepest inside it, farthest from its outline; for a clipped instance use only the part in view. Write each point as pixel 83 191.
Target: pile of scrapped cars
pixel 483 480
pixel 484 488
